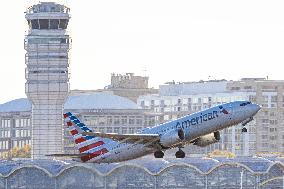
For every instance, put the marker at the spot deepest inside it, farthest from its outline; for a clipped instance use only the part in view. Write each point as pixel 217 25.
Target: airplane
pixel 201 128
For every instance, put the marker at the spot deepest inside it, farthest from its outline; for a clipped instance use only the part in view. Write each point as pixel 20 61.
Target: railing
pixel 47 7
pixel 58 47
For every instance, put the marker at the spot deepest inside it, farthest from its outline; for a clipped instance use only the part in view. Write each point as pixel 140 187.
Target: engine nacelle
pixel 207 139
pixel 172 137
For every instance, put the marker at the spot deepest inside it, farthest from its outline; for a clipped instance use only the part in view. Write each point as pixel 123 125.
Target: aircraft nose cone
pixel 256 107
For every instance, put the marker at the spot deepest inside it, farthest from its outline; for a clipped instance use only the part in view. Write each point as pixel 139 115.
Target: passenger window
pixel 221 107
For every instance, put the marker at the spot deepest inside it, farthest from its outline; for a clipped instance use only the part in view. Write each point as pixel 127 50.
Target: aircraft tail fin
pixel 92 146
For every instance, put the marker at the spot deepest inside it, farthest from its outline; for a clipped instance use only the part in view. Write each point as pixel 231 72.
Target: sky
pixel 184 40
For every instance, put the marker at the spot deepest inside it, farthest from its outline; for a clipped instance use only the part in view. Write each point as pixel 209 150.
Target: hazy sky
pixel 166 40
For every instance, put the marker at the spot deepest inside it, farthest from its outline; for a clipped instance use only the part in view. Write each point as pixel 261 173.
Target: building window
pixel 273 129
pixel 189 100
pixel 116 120
pixel 131 120
pixel 273 122
pixel 273 98
pixel 264 145
pixel 109 120
pixel 35 24
pixel 265 98
pixel 17 123
pixel 17 133
pixel 265 120
pixel 138 120
pixel 124 120
pixel 91 120
pixel 131 130
pixel 247 87
pixel 264 137
pixel 102 120
pixel 265 113
pixel 272 114
pixel 116 130
pixel 235 88
pixel 5 123
pixel 152 121
pixel 43 23
pixel 199 100
pixel 63 23
pixel 53 23
pixel 109 129
pixel 4 145
pixel 273 105
pixel 4 134
pixel 124 130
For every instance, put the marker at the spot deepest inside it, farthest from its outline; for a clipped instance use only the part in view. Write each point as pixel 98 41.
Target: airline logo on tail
pixel 93 146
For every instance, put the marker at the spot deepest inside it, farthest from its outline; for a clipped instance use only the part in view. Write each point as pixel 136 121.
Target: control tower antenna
pixel 47 81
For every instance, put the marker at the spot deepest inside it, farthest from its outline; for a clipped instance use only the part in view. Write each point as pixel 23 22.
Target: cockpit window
pixel 245 103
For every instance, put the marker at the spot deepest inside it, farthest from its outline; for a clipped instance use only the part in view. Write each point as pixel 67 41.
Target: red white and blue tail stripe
pixel 89 145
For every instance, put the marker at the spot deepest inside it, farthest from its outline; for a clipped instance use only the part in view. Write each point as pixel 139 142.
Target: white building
pixel 47 85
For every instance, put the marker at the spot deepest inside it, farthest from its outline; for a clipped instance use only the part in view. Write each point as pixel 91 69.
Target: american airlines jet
pixel 200 128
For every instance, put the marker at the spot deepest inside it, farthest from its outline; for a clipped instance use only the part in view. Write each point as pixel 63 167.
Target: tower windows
pixel 35 24
pixel 63 23
pixel 53 24
pixel 45 24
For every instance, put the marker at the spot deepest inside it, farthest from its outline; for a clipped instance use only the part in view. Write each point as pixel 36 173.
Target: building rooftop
pixel 99 101
pixel 193 88
pixel 18 105
pixel 255 165
pixel 85 101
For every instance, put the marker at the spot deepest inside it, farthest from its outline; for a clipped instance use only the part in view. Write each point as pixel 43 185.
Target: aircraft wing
pixel 128 138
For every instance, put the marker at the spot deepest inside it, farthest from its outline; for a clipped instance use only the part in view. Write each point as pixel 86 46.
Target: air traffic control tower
pixel 47 82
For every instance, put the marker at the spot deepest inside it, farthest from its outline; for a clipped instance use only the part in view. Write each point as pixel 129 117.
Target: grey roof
pixel 99 101
pixel 193 88
pixel 256 165
pixel 85 101
pixel 18 105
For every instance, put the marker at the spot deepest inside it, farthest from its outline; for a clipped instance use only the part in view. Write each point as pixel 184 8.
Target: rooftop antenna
pixel 144 71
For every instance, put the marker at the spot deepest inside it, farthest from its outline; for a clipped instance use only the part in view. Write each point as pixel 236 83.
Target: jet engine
pixel 172 137
pixel 207 139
